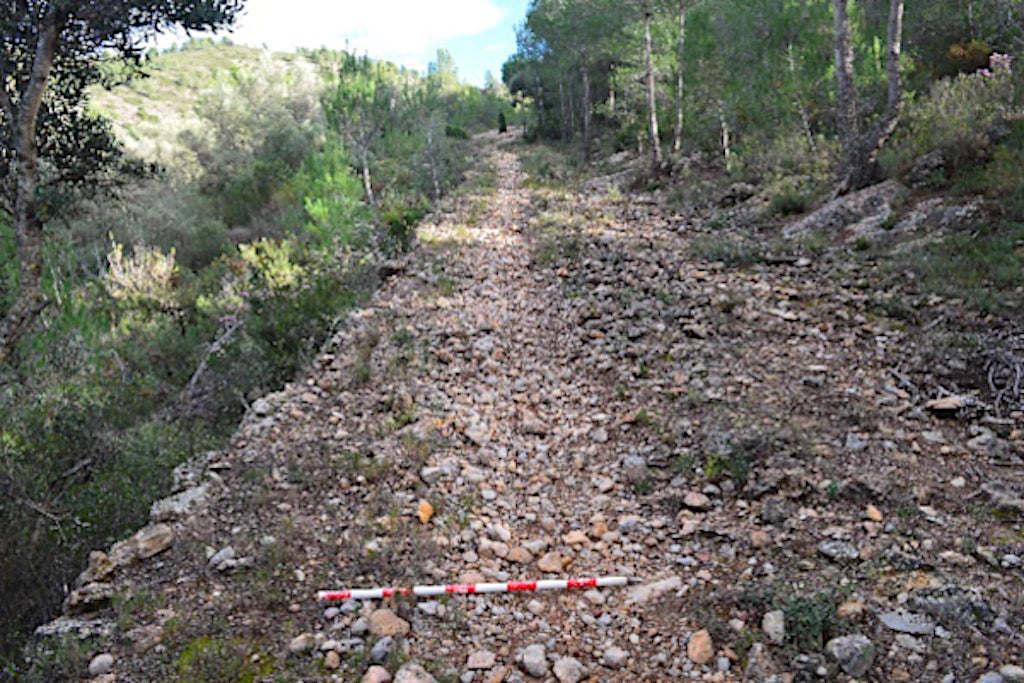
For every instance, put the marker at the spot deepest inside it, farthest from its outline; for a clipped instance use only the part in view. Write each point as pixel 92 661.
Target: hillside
pixel 151 114
pixel 578 380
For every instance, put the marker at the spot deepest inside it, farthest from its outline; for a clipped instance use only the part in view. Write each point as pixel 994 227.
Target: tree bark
pixel 677 134
pixel 846 92
pixel 587 127
pixel 860 152
pixel 652 102
pixel 28 225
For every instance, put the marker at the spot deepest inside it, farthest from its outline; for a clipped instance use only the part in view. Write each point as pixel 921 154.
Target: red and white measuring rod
pixel 475 588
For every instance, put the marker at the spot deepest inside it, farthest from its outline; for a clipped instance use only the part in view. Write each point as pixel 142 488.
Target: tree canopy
pixel 51 52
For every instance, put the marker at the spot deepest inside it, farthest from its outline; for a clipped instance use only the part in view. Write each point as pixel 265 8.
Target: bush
pixel 958 118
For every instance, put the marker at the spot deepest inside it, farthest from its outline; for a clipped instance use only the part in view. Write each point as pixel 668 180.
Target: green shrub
pixel 790 201
pixel 985 267
pixel 958 118
pixel 455 133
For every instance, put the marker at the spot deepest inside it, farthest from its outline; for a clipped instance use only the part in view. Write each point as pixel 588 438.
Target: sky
pixel 480 34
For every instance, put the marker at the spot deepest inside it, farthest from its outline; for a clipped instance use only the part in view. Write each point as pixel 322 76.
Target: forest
pixel 182 231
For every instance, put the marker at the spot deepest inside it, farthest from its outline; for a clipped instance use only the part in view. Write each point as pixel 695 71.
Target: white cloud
pixel 406 31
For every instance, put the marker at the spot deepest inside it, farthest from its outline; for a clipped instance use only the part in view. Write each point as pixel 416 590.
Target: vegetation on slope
pixel 191 288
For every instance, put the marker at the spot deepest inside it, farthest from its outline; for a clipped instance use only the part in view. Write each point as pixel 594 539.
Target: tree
pixel 860 151
pixel 565 54
pixel 50 54
pixel 677 133
pixel 359 106
pixel 652 101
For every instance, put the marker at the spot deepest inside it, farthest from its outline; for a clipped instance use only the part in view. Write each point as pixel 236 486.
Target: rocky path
pixel 553 386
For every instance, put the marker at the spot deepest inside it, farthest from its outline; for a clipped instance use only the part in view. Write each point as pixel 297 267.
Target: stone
pixel 614 657
pixel 760 538
pixel 857 214
pixel 774 626
pixel 376 674
pixel 262 407
pixel 520 555
pixel 644 593
pixel 635 470
pixel 146 543
pixel 425 511
pixel 569 670
pixel 947 404
pixel 951 603
pixel 101 664
pixel 384 622
pixel 413 673
pixel 774 511
pixel 145 638
pixel 332 660
pixel 695 500
pixel 1012 673
pixel 478 433
pixel 481 660
pixel 990 677
pixel 533 660
pixel 760 665
pixel 855 654
pixel 839 550
pixel 302 643
pixel 907 622
pixel 381 649
pixel 576 537
pixel 551 563
pixel 89 598
pixel 874 514
pixel 99 568
pixel 180 505
pixel 700 648
pixel 221 559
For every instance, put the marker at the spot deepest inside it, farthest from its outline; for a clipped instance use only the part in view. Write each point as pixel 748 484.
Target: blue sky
pixel 479 33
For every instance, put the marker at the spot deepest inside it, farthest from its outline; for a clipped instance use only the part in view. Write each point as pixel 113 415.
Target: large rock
pixel 101 664
pixel 569 670
pixel 700 648
pixel 855 654
pixel 413 673
pixel 180 505
pixel 100 567
pixel 147 542
pixel 534 661
pixel 384 622
pixel 858 214
pixel 774 626
pixel 89 598
pixel 376 674
pixel 640 595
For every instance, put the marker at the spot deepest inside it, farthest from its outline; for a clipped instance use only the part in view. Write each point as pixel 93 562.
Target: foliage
pixel 182 296
pixel 146 278
pixel 957 118
pixel 984 267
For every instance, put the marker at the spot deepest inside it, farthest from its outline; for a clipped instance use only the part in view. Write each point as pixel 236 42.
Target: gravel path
pixel 553 386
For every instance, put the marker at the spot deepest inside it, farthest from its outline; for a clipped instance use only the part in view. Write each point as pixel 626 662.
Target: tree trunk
pixel 586 112
pixel 563 112
pixel 860 153
pixel 652 102
pixel 28 226
pixel 677 134
pixel 726 138
pixel 846 93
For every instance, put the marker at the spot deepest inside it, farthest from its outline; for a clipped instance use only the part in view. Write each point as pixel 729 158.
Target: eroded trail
pixel 553 387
